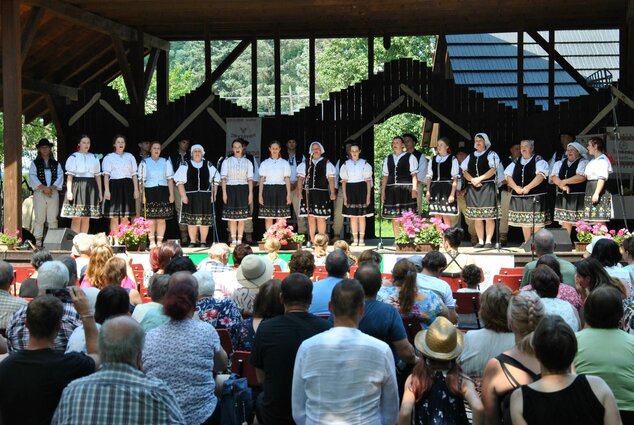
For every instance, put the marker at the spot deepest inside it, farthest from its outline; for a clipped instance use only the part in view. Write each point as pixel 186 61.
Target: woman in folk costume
pixel 236 173
pixel 197 182
pixel 597 206
pixel 275 183
pixel 527 179
pixel 316 183
pixel 479 170
pixel 568 175
pixel 356 181
pixel 121 186
pixel 83 187
pixel 442 180
pixel 398 186
pixel 157 176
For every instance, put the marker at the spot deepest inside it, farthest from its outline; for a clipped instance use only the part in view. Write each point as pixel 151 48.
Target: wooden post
pixel 370 56
pixel 162 80
pixel 139 77
pixel 207 55
pixel 520 73
pixel 278 77
pixel 311 71
pixel 254 76
pixel 12 109
pixel 551 70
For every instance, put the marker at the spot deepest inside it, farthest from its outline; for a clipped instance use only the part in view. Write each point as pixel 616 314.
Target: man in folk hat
pixel 343 375
pixel 46 178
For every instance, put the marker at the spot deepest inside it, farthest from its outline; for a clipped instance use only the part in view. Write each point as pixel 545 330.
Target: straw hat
pixel 442 341
pixel 254 270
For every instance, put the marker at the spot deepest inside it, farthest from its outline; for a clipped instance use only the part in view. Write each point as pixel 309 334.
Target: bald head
pixel 121 341
pixel 544 242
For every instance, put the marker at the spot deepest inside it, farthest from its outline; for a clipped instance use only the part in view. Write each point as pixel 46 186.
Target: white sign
pixel 625 145
pixel 249 129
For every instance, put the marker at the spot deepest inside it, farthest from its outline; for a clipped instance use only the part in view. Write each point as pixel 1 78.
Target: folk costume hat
pixel 44 142
pixel 442 341
pixel 579 148
pixel 487 142
pixel 194 147
pixel 254 271
pixel 310 148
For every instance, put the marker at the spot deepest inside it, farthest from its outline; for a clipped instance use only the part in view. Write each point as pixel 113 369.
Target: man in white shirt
pixel 343 376
pixel 434 263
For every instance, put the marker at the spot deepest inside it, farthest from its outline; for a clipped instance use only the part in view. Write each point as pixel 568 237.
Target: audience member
pixel 71 265
pixel 33 378
pixel 471 276
pixel 221 313
pixel 364 389
pixel 254 270
pixel 408 298
pixel 96 270
pixel 606 351
pixel 28 287
pixel 544 243
pixel 8 303
pixel 180 264
pixel 370 255
pixel 514 367
pixel 321 248
pixel 53 278
pixel 561 397
pixel 436 389
pixel 591 275
pixel 239 253
pixel 267 304
pixel 302 262
pixel 116 271
pixel 184 352
pixel 168 251
pixel 343 245
pixel 337 268
pixel 156 290
pixel 121 382
pixel 276 343
pixel 82 245
pixel 564 292
pixel 218 258
pixel 628 254
pixel 481 345
pixel 456 261
pixel 546 284
pixel 433 264
pixel 272 246
pixel 607 252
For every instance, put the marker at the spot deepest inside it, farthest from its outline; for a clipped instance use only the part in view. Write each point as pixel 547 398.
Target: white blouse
pixel 180 177
pixel 598 168
pixel 83 165
pixel 541 167
pixel 236 171
pixel 492 157
pixel 455 168
pixel 356 171
pixel 275 171
pixel 294 162
pixel 119 166
pixel 155 173
pixel 413 163
pixel 330 169
pixel 581 168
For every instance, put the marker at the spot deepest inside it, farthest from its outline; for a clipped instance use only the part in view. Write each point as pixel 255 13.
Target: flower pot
pixel 581 246
pixel 410 247
pixel 136 247
pixel 291 246
pixel 6 247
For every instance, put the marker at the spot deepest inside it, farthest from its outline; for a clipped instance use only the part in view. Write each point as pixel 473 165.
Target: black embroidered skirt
pixel 197 212
pixel 274 197
pixel 357 194
pixel 85 201
pixel 569 207
pixel 237 206
pixel 398 200
pixel 319 203
pixel 481 202
pixel 157 203
pixel 121 203
pixel 601 211
pixel 439 195
pixel 521 211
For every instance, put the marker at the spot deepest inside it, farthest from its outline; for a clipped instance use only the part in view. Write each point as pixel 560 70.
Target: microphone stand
pixel 532 239
pixel 309 244
pixel 213 201
pixel 379 246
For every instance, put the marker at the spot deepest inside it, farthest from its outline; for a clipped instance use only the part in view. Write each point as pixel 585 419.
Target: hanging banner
pixel 249 129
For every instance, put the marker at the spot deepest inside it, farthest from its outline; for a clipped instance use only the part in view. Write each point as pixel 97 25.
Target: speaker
pixel 562 241
pixel 59 239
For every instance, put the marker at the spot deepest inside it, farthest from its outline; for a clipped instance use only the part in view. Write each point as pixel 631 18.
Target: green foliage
pixel 31 134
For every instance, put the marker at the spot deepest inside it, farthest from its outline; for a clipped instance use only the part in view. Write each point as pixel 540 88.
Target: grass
pixel 386 228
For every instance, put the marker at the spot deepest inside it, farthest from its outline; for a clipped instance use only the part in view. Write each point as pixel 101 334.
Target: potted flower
pixel 8 239
pixel 133 236
pixel 419 234
pixel 584 235
pixel 620 235
pixel 284 233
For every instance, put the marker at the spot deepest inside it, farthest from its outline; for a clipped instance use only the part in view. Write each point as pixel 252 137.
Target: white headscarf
pixel 487 142
pixel 310 148
pixel 579 148
pixel 194 147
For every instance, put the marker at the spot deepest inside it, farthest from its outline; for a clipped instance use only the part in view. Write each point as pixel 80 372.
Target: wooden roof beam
pixel 231 58
pixel 126 69
pixel 52 89
pixel 30 29
pixel 98 23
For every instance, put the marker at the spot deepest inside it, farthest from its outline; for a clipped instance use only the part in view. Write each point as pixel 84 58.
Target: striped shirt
pixel 8 305
pixel 118 394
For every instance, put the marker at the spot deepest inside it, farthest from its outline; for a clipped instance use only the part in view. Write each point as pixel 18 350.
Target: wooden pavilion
pixel 57 56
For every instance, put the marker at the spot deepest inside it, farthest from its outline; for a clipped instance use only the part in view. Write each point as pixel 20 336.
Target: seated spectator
pixel 481 345
pixel 607 252
pixel 168 251
pixel 254 270
pixel 408 298
pixel 337 268
pixel 112 301
pixel 370 255
pixel 606 351
pixel 8 303
pixel 140 399
pixel 436 389
pixel 564 292
pixel 471 276
pixel 220 313
pixel 591 274
pixel 456 261
pixel 154 268
pixel 267 304
pixel 184 352
pixel 218 258
pixel 560 396
pixel 321 248
pixel 514 367
pixel 180 264
pixel 543 244
pixel 433 264
pixel 343 245
pixel 33 378
pixel 155 317
pixel 115 272
pixel 239 253
pixel 71 265
pixel 28 287
pixel 546 284
pixel 96 270
pixel 302 262
pixel 82 245
pixel 628 255
pixel 272 247
pixel 156 290
pixel 53 278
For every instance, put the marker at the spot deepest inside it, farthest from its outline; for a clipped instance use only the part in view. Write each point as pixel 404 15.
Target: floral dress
pixel 242 335
pixel 426 308
pixel 220 313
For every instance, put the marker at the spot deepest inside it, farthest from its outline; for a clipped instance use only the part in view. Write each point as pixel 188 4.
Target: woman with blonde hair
pixel 272 246
pixel 343 245
pixel 115 272
pixel 95 272
pixel 517 366
pixel 321 245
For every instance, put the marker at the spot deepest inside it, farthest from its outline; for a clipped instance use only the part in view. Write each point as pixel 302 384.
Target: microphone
pixel 219 161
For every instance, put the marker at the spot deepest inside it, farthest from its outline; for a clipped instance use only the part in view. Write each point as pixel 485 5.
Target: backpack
pixel 236 402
